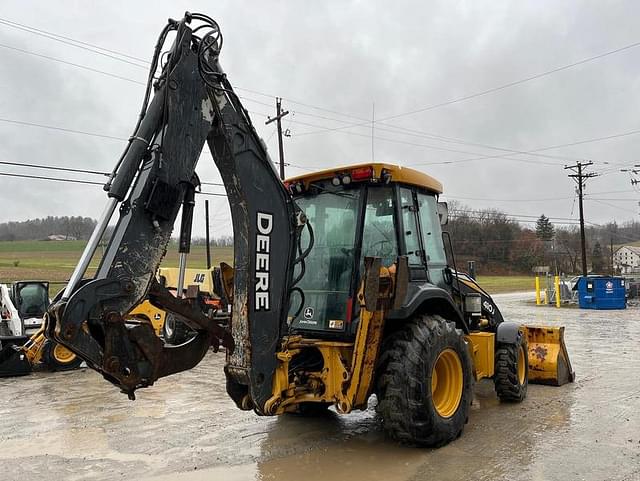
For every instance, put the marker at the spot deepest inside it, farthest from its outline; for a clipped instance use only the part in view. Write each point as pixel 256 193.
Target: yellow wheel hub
pixel 521 365
pixel 63 355
pixel 447 383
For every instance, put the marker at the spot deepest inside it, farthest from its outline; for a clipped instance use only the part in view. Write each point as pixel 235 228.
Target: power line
pixel 95 49
pixel 507 85
pixel 86 182
pixel 557 146
pixel 84 67
pixel 39 177
pixel 51 167
pixel 63 129
pixel 74 43
pixel 599 201
pixel 507 200
pixel 406 131
pixel 397 129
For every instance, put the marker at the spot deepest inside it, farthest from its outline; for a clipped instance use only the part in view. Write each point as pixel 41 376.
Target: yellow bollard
pixel 538 290
pixel 556 283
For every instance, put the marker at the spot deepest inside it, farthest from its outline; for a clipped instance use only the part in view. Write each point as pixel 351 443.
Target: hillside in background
pixel 39 229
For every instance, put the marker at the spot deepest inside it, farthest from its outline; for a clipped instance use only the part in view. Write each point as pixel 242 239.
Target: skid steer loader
pixel 22 342
pixel 340 289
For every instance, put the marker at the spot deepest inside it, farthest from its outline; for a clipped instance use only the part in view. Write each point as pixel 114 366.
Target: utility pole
pixel 373 121
pixel 206 217
pixel 613 272
pixel 581 178
pixel 277 119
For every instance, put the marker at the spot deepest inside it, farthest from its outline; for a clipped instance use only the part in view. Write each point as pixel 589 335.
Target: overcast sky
pixel 345 57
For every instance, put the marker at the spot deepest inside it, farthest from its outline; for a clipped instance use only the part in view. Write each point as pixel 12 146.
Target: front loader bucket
pixel 548 357
pixel 14 362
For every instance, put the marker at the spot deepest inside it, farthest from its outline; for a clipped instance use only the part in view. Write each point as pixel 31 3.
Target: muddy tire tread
pixel 401 389
pixel 506 383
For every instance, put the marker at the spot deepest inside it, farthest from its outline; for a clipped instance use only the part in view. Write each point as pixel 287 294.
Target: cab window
pixel 431 230
pixel 410 228
pixel 379 232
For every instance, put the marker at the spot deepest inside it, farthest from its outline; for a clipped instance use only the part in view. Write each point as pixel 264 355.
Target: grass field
pixel 54 261
pixel 499 284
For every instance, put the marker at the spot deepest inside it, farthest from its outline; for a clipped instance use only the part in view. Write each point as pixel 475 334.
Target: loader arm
pixel 193 103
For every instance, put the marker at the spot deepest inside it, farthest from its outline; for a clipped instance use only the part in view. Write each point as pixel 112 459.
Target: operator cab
pixel 31 299
pixel 378 210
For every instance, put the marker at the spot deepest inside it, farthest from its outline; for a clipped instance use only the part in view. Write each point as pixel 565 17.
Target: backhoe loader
pixel 204 286
pixel 340 288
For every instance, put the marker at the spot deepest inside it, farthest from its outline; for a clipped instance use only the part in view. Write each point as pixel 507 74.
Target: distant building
pixel 627 259
pixel 60 237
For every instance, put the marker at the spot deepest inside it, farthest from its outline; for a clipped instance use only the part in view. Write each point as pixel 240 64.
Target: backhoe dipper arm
pixel 193 103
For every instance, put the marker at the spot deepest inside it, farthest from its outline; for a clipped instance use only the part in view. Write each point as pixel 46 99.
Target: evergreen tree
pixel 544 228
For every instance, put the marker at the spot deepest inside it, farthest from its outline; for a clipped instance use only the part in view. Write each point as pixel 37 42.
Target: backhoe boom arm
pixel 193 103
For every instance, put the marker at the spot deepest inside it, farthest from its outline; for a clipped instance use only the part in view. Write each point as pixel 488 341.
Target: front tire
pixel 512 370
pixel 425 382
pixel 175 331
pixel 56 357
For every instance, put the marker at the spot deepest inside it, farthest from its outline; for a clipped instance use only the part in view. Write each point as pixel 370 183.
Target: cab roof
pixel 399 174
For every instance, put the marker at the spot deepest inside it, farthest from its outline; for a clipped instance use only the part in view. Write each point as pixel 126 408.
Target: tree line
pixel 501 245
pixel 40 229
pixel 69 227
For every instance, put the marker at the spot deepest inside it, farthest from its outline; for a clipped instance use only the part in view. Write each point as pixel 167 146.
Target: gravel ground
pixel 76 426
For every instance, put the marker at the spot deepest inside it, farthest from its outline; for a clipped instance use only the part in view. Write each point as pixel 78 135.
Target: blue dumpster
pixel 601 292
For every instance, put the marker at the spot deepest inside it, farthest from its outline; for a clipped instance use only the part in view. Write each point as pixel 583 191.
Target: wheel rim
pixel 63 355
pixel 169 326
pixel 447 383
pixel 522 372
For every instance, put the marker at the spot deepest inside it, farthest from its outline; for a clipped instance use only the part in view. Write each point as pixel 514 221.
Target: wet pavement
pixel 76 426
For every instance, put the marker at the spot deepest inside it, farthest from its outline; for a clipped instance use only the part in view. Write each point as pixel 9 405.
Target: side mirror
pixel 443 213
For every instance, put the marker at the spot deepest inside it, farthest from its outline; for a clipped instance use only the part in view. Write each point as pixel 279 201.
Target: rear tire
pixel 425 382
pixel 175 331
pixel 512 370
pixel 56 357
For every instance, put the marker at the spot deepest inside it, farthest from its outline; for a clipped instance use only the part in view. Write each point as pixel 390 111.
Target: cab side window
pixel 410 227
pixel 379 232
pixel 431 230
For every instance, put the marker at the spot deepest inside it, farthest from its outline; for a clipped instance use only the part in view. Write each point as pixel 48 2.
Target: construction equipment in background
pixel 38 351
pixel 22 341
pixel 204 289
pixel 341 283
pixel 22 307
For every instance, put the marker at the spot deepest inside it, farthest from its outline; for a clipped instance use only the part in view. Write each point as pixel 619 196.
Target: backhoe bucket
pixel 14 362
pixel 548 357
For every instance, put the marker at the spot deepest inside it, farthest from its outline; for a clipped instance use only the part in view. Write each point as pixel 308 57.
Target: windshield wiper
pixel 339 194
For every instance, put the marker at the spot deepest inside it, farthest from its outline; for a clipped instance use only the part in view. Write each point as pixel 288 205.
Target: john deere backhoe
pixel 341 287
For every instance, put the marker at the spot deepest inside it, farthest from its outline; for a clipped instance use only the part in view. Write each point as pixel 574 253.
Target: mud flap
pixel 14 362
pixel 548 357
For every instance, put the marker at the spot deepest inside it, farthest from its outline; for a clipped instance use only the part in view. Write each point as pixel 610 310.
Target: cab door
pixel 431 234
pixel 410 236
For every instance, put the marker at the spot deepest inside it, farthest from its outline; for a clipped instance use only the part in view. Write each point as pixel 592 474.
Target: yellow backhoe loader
pixel 204 286
pixel 38 351
pixel 341 288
